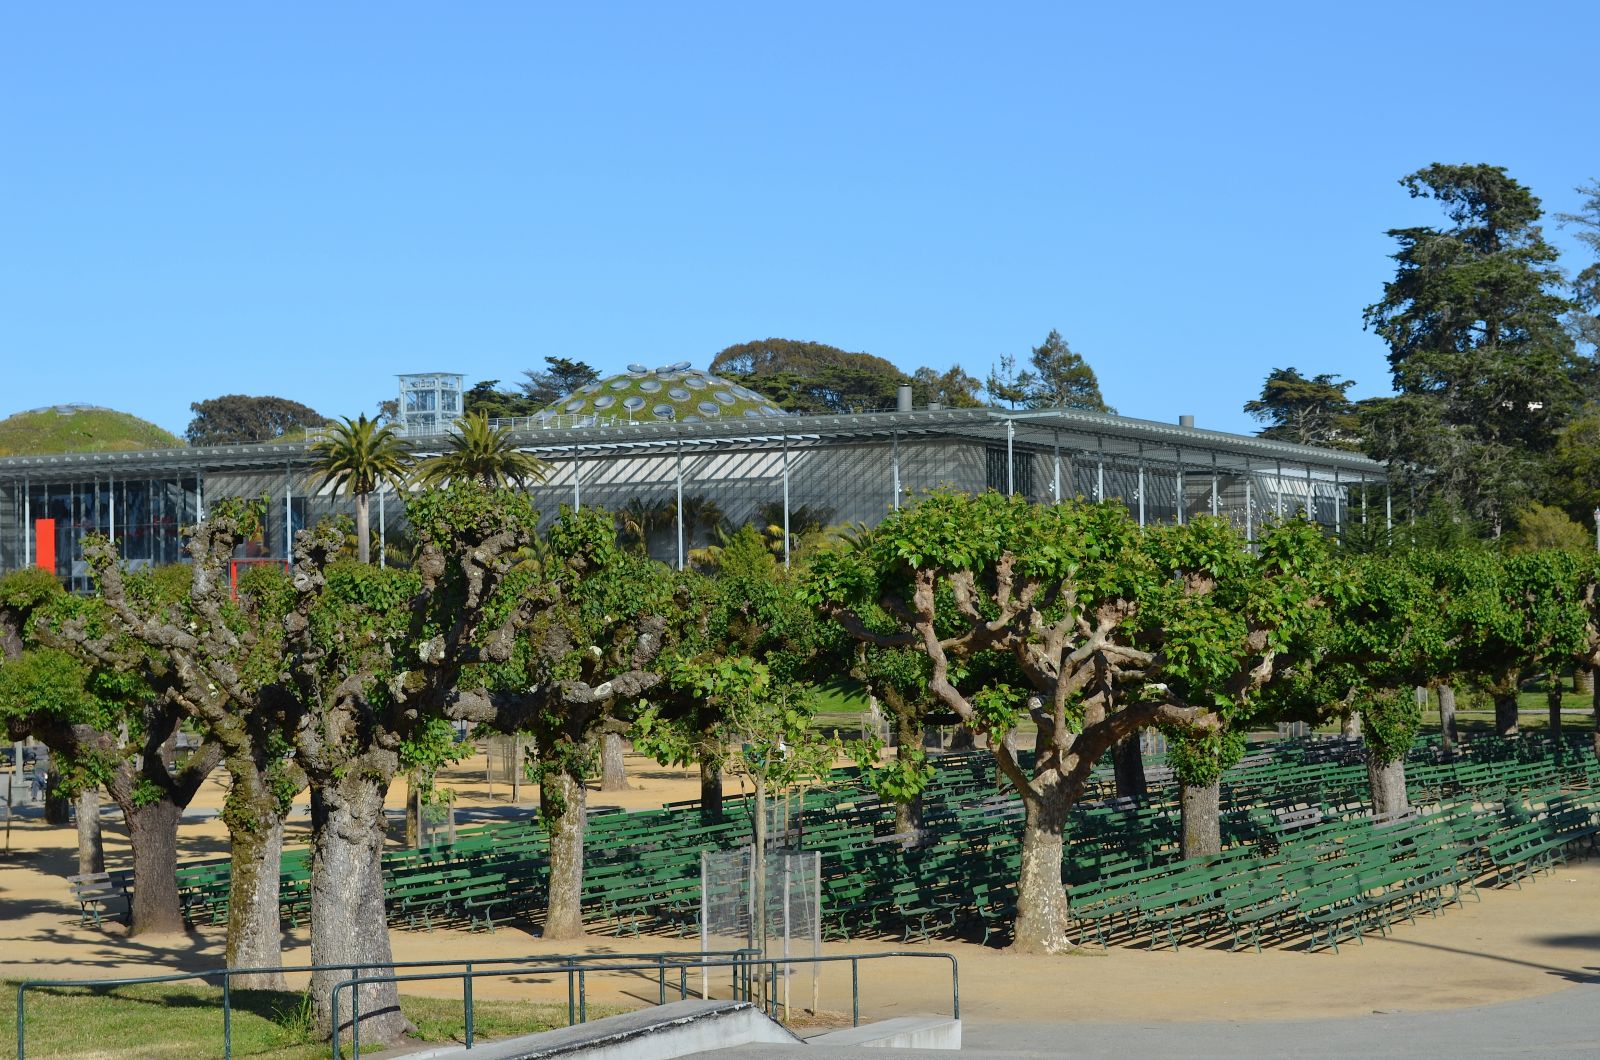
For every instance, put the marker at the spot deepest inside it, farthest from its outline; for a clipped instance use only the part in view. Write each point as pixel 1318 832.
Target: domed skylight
pixel 673 392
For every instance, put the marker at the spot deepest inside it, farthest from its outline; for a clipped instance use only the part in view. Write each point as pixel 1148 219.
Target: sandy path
pixel 1514 944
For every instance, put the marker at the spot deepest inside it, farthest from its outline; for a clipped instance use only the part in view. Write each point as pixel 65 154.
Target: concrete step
pixel 902 1032
pixel 682 1028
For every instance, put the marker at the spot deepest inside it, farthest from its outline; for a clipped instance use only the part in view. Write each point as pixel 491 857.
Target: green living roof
pixel 672 393
pixel 79 429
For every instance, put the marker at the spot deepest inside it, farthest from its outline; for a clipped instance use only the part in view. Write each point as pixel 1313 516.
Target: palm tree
pixel 482 454
pixel 359 454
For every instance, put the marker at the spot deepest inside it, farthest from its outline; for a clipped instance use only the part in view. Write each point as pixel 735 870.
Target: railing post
pixel 333 1015
pixel 21 1021
pixel 227 1014
pixel 855 992
pixel 466 990
pixel 572 1001
pixel 355 1019
pixel 583 999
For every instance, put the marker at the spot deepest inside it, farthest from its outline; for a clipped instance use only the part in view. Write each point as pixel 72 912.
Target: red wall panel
pixel 44 544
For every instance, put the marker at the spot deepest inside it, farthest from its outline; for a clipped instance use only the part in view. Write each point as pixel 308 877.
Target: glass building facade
pixel 829 469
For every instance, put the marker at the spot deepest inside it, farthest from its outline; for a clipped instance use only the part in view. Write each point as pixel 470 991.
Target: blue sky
pixel 304 199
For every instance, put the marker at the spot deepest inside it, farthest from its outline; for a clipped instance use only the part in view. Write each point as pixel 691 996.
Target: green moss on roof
pixel 674 394
pixel 79 429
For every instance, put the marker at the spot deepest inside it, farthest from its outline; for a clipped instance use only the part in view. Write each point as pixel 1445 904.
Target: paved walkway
pixel 1562 1025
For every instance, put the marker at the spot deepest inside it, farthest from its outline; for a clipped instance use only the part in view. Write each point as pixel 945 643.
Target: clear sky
pixel 304 199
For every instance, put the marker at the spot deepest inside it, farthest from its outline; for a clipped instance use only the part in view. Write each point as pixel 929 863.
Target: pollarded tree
pixel 1392 629
pixel 604 616
pixel 1055 588
pixel 375 658
pixel 1061 592
pixel 220 654
pixel 110 716
pixel 1223 623
pixel 751 609
pixel 1513 616
pixel 1587 655
pixel 898 678
pixel 104 728
pixel 1549 590
pixel 359 456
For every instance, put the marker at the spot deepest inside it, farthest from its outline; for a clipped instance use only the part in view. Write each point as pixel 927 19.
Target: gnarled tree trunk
pixel 1350 728
pixel 153 835
pixel 1552 699
pixel 255 926
pixel 613 770
pixel 1042 913
pixel 908 815
pixel 1505 712
pixel 57 805
pixel 710 790
pixel 1388 783
pixel 91 851
pixel 1583 680
pixel 348 925
pixel 563 805
pixel 1128 763
pixel 1448 736
pixel 1201 815
pixel 1595 706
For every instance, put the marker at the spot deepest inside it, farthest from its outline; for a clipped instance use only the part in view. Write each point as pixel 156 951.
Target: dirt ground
pixel 1514 944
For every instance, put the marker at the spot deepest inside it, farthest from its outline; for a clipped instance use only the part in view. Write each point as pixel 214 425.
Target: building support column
pixel 27 527
pixel 1099 469
pixel 894 462
pixel 1141 484
pixel 1055 475
pixel 1249 506
pixel 1215 503
pixel 1011 435
pixel 785 502
pixel 383 535
pixel 288 514
pixel 680 503
pixel 577 482
pixel 1182 500
pixel 1338 515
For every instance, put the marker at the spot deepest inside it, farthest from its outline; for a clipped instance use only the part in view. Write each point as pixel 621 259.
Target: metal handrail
pixel 577 989
pixel 227 976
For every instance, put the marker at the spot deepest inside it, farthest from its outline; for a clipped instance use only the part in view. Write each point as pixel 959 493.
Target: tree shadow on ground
pixel 1589 942
pixel 110 949
pixel 1573 975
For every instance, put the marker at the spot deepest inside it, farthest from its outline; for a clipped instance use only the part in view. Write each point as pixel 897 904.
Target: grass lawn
pixel 181 1021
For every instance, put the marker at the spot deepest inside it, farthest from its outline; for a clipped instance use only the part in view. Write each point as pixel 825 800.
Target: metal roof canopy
pixel 1119 438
